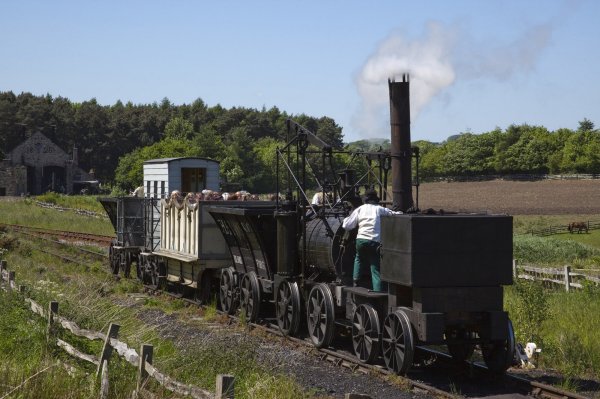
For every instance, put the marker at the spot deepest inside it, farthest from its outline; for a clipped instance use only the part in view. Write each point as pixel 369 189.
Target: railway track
pixel 61 234
pixel 508 385
pixel 64 238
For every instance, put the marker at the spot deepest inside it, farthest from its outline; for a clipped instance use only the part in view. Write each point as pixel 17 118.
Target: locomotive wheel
pixel 461 351
pixel 320 315
pixel 250 296
pixel 227 288
pixel 498 355
pixel 288 308
pixel 127 268
pixel 365 333
pixel 398 342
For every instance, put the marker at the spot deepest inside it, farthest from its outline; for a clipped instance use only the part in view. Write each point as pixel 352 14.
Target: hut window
pixel 193 179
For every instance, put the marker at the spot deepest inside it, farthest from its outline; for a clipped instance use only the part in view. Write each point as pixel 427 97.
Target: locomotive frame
pixel 443 272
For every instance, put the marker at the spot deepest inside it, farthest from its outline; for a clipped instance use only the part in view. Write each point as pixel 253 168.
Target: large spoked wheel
pixel 460 351
pixel 320 315
pixel 155 275
pixel 147 271
pixel 250 296
pixel 398 343
pixel 365 333
pixel 498 355
pixel 288 308
pixel 113 259
pixel 139 268
pixel 227 287
pixel 127 266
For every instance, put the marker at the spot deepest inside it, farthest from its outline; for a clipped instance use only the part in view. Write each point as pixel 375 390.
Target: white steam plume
pixel 434 62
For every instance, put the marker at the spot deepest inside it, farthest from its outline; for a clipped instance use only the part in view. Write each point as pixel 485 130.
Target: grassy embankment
pixel 565 325
pixel 89 296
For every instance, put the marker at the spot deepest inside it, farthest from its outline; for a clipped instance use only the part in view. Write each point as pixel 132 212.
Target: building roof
pixel 167 160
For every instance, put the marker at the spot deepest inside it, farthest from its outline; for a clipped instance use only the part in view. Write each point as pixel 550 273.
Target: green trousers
pixel 367 256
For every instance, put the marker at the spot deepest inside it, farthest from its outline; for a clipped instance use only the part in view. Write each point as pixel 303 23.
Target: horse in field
pixel 578 226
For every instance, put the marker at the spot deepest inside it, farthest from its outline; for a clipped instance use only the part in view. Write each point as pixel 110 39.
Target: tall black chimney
pixel 400 144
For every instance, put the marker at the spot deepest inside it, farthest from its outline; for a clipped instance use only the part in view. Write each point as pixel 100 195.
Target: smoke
pixel 443 56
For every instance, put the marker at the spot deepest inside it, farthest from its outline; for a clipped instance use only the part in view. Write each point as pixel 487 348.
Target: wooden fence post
pixel 104 380
pixel 107 349
pixel 146 352
pixel 11 280
pixel 568 278
pixel 225 386
pixel 52 311
pixel 515 269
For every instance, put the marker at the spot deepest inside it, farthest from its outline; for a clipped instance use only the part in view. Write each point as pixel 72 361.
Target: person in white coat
pixel 367 218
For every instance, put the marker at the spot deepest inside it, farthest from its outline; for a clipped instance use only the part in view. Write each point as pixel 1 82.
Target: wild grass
pixel 555 251
pixel 85 202
pixel 26 212
pixel 565 325
pixel 93 299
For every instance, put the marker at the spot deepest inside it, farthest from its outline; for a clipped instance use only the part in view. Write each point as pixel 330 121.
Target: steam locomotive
pixel 291 260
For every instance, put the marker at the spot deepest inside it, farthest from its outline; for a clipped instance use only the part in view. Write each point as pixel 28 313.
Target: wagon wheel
pixel 250 296
pixel 204 291
pixel 397 342
pixel 139 268
pixel 127 268
pixel 153 274
pixel 156 281
pixel 320 315
pixel 227 288
pixel 365 333
pixel 113 258
pixel 146 271
pixel 461 351
pixel 288 307
pixel 498 355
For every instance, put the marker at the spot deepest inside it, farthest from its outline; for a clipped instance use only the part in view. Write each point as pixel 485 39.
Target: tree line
pixel 116 139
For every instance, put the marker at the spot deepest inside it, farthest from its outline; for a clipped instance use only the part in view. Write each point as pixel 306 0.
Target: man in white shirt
pixel 368 219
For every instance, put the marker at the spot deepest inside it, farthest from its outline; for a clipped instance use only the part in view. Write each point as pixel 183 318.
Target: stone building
pixel 38 165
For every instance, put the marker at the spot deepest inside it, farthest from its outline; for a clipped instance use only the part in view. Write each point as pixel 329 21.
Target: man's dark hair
pixel 371 197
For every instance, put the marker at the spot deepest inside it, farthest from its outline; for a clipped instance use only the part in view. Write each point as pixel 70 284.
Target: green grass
pixel 565 325
pixel 26 212
pixel 89 296
pixel 86 202
pixel 554 250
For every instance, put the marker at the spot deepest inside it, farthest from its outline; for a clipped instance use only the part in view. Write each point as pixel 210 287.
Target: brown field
pixel 546 197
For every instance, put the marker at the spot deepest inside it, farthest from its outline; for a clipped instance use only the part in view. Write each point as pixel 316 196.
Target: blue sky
pixel 474 65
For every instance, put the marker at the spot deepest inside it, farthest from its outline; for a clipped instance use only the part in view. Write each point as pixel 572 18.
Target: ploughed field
pixel 545 197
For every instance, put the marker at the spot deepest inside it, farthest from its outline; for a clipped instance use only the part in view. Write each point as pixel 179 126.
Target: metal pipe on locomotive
pixel 443 272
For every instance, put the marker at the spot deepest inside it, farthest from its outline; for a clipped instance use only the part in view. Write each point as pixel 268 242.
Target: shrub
pixel 528 306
